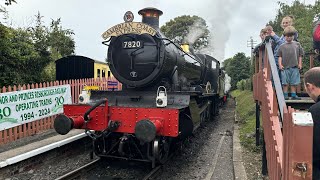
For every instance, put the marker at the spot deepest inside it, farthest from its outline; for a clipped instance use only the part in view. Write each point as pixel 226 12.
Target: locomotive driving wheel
pixel 161 149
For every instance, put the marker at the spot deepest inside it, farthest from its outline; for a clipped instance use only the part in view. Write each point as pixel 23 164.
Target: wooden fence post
pixel 299 145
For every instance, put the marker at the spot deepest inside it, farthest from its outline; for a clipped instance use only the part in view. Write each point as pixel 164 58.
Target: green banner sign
pixel 25 106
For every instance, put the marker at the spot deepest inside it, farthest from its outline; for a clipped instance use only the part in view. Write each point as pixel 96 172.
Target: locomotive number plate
pixel 132 44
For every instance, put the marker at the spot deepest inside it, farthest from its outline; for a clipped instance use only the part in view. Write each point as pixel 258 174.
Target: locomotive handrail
pixel 185 53
pixel 86 114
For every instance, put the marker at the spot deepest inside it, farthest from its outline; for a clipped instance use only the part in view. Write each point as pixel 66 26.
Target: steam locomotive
pixel 168 91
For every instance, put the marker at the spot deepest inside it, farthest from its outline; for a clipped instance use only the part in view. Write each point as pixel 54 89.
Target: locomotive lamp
pixel 84 97
pixel 161 100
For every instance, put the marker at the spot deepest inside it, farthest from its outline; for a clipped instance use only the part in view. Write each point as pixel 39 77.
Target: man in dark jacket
pixel 312 86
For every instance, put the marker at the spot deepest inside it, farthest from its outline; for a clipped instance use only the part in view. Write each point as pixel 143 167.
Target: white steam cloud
pixel 219 15
pixel 195 32
pixel 227 81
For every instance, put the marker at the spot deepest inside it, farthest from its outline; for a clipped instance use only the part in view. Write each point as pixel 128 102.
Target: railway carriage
pixel 80 67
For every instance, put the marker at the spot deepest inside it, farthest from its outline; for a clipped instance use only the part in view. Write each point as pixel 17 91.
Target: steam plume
pixel 219 15
pixel 195 32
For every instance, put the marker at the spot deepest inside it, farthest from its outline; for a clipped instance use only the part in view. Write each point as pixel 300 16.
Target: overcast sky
pixel 231 22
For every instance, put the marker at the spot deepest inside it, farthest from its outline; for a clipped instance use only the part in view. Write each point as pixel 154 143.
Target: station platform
pixel 27 147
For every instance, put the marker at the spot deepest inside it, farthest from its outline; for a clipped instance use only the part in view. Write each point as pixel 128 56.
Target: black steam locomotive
pixel 167 93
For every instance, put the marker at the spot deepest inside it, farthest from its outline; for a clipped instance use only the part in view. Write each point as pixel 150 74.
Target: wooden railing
pixel 287 133
pixel 31 128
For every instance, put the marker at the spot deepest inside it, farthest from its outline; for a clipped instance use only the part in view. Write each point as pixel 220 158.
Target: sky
pixel 231 22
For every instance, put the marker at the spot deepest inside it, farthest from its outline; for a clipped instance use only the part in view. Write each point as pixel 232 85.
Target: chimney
pixel 150 16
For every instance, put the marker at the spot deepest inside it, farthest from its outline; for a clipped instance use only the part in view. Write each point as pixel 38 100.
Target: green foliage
pixel 27 55
pixel 59 39
pixel 244 84
pixel 238 68
pixel 246 116
pixel 179 30
pixel 9 2
pixel 240 84
pixel 226 63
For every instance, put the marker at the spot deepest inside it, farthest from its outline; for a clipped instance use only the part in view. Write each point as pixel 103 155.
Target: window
pixel 103 73
pixel 214 65
pixel 109 74
pixel 98 73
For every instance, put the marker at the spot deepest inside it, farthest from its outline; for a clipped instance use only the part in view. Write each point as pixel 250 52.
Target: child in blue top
pixel 290 61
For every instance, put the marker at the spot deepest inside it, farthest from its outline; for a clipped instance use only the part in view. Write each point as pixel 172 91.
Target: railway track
pixel 77 173
pixel 82 171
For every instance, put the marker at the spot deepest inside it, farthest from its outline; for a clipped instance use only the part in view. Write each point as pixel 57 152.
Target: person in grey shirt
pixel 290 62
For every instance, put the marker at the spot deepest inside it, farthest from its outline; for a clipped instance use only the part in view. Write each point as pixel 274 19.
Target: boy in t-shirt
pixel 290 61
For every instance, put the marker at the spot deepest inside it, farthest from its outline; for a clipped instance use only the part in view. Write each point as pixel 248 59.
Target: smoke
pixel 219 14
pixel 227 85
pixel 195 32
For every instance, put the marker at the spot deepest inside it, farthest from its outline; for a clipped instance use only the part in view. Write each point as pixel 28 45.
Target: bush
pixel 240 85
pixel 244 84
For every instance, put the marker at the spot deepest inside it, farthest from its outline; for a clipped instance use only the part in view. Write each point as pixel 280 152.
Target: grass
pixel 246 116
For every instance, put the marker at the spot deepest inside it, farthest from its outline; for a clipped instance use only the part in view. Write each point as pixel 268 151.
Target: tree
pixel 9 2
pixel 187 29
pixel 19 62
pixel 60 40
pixel 27 55
pixel 238 68
pixel 52 43
pixel 225 63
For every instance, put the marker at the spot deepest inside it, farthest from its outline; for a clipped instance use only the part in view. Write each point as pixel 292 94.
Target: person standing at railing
pixel 290 62
pixel 312 87
pixel 263 34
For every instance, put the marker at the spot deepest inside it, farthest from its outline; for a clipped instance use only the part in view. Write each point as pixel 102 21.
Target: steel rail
pixel 77 172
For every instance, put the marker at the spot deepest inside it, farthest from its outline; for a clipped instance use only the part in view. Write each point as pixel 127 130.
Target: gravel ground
pixel 198 157
pixel 117 170
pixel 253 164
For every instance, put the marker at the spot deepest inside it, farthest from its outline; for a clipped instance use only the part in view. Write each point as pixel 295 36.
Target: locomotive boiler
pixel 168 91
